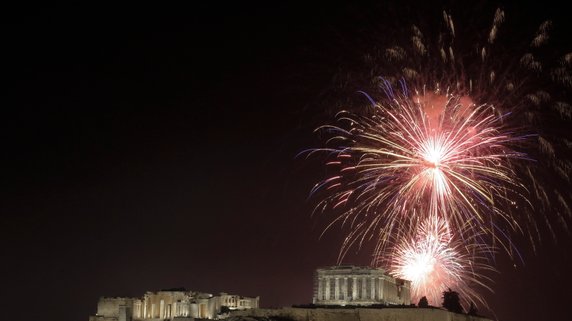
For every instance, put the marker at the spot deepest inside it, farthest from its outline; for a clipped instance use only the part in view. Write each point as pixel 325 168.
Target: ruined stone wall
pixel 394 294
pixel 109 307
pixel 388 314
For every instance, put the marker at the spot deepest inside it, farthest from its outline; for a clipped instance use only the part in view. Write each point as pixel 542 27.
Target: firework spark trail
pixel 400 161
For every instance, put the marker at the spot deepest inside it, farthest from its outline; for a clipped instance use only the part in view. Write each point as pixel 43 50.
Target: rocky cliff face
pixel 359 314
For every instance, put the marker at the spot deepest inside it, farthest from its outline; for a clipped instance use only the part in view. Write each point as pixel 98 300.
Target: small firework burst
pixel 435 260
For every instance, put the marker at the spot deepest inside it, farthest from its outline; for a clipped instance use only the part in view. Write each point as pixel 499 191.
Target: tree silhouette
pixel 423 303
pixel 451 301
pixel 224 309
pixel 472 309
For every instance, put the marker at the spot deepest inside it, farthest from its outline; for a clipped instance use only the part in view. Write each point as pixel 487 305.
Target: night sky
pixel 146 148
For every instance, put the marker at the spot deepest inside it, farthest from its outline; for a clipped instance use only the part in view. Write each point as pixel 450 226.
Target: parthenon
pixel 353 285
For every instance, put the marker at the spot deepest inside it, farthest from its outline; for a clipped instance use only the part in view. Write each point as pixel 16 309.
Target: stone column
pixel 372 280
pixel 354 288
pixel 381 285
pixel 327 288
pixel 363 287
pixel 345 288
pixel 320 289
pixel 337 289
pixel 136 310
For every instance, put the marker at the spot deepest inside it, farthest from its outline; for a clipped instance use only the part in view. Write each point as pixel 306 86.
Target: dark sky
pixel 148 148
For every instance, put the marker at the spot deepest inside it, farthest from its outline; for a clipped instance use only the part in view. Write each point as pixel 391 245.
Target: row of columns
pixel 341 288
pixel 142 311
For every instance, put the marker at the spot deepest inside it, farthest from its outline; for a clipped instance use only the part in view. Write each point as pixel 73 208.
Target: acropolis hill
pixel 341 293
pixel 351 314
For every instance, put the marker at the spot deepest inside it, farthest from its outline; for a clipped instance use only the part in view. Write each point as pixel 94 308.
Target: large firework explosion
pixel 446 162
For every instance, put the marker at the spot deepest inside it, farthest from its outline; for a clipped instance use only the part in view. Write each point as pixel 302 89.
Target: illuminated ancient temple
pixel 353 285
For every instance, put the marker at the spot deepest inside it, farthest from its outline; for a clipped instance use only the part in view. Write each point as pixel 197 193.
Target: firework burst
pixel 434 260
pixel 398 166
pixel 443 168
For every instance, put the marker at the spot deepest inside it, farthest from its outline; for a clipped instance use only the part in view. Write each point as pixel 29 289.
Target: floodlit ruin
pixel 170 304
pixel 353 285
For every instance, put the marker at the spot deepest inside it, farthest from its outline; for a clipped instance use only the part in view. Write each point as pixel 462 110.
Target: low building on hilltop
pixel 170 304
